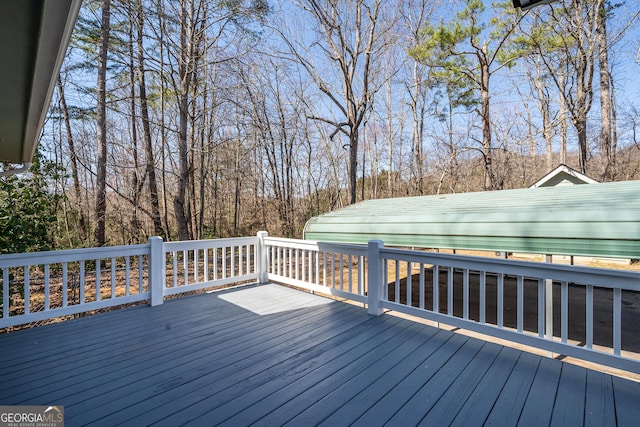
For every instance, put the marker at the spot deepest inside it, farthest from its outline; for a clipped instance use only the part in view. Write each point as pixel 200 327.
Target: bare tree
pixel 540 92
pixel 101 118
pixel 137 181
pixel 73 158
pixel 188 52
pixel 146 127
pixel 606 101
pixel 275 120
pixel 415 15
pixel 571 47
pixel 605 41
pixel 349 36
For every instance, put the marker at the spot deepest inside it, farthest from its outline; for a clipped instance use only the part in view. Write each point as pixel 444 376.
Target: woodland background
pixel 194 119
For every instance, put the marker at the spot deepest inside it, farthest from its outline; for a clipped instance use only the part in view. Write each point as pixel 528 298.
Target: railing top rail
pixel 354 249
pixel 576 274
pixel 283 241
pixel 209 243
pixel 71 255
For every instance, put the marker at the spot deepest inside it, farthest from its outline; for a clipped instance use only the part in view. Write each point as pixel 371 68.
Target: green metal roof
pixel 592 220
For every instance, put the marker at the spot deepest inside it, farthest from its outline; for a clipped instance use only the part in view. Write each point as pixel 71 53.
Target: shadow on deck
pixel 272 355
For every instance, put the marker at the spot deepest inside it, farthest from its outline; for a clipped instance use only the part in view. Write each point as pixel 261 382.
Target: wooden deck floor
pixel 273 356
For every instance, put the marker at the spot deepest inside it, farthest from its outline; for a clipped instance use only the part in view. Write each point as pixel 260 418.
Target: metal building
pixel 601 220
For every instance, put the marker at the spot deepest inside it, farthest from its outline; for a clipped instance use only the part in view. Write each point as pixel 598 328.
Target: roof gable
pixel 563 175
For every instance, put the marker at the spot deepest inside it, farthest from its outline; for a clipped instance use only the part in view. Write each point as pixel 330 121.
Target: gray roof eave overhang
pixel 34 35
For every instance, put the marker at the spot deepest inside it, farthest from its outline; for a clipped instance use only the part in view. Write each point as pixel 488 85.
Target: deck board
pixel 569 403
pixel 481 400
pixel 599 405
pixel 627 396
pixel 231 360
pixel 264 372
pixel 363 398
pixel 304 386
pixel 395 398
pixel 508 406
pixel 420 403
pixel 195 342
pixel 540 401
pixel 451 401
pixel 273 355
pixel 340 389
pixel 79 366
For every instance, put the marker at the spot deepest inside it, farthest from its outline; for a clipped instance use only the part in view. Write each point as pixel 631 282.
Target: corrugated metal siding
pixel 592 220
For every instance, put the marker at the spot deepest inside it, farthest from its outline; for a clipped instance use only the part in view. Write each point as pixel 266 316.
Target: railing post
pixel 548 303
pixel 156 270
pixel 375 272
pixel 262 258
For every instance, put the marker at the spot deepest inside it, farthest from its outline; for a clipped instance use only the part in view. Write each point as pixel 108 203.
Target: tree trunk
pixel 353 164
pixel 580 124
pixel 363 171
pixel 193 127
pixel 146 129
pixel 74 161
pixel 236 193
pixel 543 101
pixel 101 173
pixel 136 182
pixel 584 68
pixel 544 107
pixel 184 73
pixel 163 131
pixel 606 101
pixel 614 135
pixel 582 106
pixel 418 112
pixel 485 113
pixel 563 123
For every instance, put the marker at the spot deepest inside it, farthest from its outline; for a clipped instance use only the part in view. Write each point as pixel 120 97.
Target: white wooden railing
pixel 336 269
pixel 45 285
pixel 552 331
pixel 525 302
pixel 199 264
pixel 486 295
